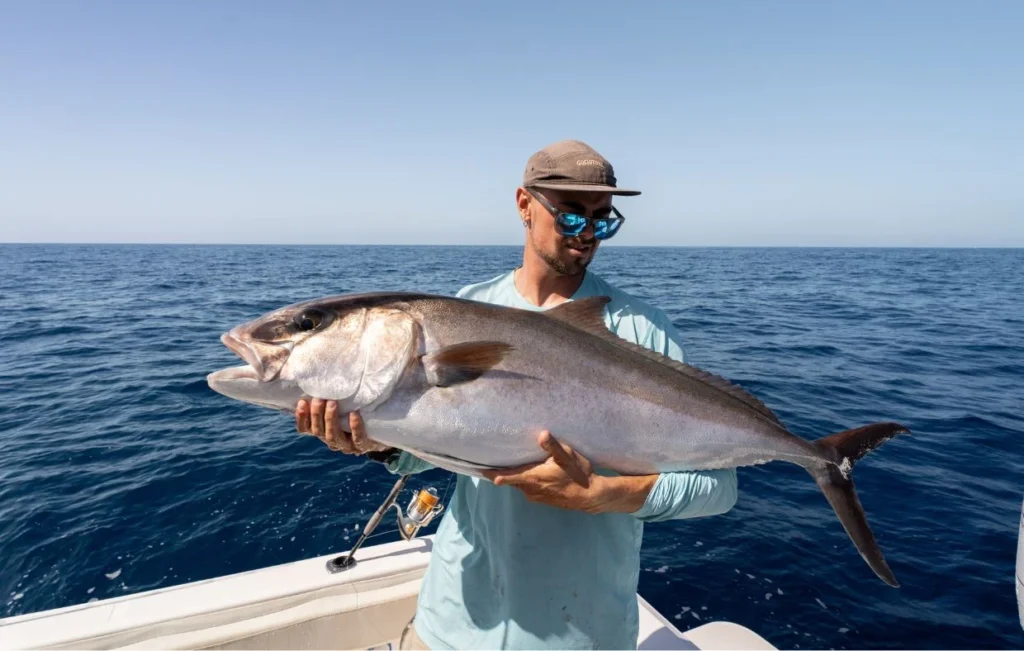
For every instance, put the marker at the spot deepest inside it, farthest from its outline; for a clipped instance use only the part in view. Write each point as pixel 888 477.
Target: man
pixel 545 556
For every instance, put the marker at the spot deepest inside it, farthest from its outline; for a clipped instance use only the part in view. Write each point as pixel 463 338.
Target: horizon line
pixel 618 246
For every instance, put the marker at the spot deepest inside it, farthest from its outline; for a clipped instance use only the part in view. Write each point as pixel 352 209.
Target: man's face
pixel 568 256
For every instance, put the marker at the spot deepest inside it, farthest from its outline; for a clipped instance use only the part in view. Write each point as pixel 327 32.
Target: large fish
pixel 468 386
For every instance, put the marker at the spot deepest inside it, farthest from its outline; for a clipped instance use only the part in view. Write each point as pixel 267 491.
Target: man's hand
pixel 322 419
pixel 567 480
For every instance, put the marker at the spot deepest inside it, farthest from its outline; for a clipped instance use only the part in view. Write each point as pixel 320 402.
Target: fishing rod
pixel 423 508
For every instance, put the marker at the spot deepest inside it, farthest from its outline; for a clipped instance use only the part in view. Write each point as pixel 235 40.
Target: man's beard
pixel 577 266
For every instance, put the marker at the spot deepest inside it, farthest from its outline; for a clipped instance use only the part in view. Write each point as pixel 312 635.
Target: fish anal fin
pixel 463 362
pixel 452 464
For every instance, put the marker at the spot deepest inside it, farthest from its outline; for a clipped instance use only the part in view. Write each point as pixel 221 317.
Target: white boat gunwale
pixel 300 604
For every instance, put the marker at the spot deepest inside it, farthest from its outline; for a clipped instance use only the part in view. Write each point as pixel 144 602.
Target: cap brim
pixel 585 187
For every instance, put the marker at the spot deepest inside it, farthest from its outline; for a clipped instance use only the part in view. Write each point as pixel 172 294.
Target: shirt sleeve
pixel 692 494
pixel 700 493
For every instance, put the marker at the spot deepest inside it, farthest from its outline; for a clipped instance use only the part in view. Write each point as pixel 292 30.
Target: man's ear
pixel 523 205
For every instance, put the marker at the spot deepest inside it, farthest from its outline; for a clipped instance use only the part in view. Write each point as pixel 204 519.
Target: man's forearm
pixel 624 494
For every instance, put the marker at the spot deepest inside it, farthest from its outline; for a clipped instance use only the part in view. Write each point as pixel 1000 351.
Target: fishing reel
pixel 423 508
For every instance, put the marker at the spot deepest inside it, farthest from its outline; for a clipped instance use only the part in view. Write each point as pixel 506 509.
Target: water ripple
pixel 123 472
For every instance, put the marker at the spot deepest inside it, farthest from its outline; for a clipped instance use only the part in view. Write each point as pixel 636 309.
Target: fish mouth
pixel 234 373
pixel 242 383
pixel 238 347
pixel 265 359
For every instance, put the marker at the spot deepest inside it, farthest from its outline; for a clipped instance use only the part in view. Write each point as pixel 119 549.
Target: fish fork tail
pixel 844 450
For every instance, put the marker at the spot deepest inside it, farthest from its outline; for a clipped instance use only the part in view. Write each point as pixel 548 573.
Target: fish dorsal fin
pixel 725 385
pixel 588 314
pixel 585 314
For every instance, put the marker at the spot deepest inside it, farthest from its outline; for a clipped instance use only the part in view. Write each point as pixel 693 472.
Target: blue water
pixel 121 471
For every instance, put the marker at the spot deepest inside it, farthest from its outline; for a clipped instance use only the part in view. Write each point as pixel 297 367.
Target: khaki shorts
pixel 410 639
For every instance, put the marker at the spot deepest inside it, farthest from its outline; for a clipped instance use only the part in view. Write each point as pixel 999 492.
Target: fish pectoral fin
pixel 463 362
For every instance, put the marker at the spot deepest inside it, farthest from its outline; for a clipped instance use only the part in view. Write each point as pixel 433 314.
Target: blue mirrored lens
pixel 605 228
pixel 572 224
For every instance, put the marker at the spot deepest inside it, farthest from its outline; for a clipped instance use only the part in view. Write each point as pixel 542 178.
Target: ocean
pixel 121 471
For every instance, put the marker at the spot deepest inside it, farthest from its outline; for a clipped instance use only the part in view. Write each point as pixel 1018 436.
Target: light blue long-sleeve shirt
pixel 507 573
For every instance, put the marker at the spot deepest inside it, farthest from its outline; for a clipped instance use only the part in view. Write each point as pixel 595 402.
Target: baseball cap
pixel 572 165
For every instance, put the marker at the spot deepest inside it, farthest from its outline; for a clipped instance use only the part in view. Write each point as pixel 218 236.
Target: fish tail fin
pixel 844 450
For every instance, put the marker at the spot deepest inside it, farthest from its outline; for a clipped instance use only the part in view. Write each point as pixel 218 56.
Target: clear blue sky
pixel 744 123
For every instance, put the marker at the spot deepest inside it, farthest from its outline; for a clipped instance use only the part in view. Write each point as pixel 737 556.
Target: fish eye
pixel 309 320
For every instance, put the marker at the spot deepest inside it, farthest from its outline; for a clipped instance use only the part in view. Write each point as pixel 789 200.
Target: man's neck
pixel 540 285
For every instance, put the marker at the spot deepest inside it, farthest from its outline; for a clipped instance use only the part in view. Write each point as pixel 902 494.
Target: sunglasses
pixel 572 224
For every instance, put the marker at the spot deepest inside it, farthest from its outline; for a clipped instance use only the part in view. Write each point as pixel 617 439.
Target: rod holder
pixel 424 507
